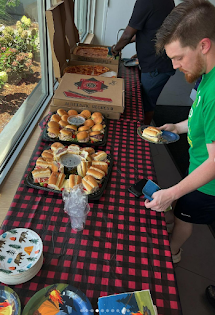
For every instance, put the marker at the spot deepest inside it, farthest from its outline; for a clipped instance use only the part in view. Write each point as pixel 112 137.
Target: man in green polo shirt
pixel 188 37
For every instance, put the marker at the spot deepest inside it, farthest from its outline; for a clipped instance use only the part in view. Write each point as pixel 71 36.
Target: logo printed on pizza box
pixel 91 85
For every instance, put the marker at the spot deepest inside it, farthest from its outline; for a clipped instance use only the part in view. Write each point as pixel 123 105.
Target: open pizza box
pixel 64 39
pixel 95 93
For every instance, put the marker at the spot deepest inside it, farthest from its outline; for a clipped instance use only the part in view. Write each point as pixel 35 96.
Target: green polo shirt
pixel 201 126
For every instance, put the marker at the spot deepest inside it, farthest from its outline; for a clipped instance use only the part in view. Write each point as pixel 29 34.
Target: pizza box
pixel 95 93
pixel 64 38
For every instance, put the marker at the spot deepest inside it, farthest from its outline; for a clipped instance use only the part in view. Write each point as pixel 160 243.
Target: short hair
pixel 189 22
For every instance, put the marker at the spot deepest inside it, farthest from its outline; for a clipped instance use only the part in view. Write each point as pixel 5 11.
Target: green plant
pixel 3 8
pixel 3 78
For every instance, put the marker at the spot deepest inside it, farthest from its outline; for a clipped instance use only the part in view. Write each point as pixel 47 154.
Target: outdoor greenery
pixel 4 4
pixel 17 48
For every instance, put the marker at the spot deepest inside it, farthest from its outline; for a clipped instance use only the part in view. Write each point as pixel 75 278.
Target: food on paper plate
pixel 90 184
pixel 41 175
pixel 101 165
pixel 56 181
pixel 152 133
pixel 83 136
pixel 95 52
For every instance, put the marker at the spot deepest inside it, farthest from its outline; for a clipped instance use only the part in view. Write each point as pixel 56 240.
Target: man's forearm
pixel 182 127
pixel 127 37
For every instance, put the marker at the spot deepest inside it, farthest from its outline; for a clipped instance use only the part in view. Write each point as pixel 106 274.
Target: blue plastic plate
pixel 9 301
pixel 167 136
pixel 62 298
pixel 131 62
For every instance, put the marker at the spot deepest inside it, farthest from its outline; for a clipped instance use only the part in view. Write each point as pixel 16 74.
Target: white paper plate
pixel 20 250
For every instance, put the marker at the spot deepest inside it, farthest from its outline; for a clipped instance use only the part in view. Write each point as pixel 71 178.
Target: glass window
pixel 82 17
pixel 24 81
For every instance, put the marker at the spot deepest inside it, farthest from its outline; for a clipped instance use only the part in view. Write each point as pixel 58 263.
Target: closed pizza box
pixel 64 38
pixel 95 93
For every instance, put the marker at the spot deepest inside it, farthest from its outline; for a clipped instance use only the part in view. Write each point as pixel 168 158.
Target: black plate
pixel 95 196
pixel 89 144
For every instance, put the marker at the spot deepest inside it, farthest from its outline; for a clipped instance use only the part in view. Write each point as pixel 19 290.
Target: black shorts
pixel 196 207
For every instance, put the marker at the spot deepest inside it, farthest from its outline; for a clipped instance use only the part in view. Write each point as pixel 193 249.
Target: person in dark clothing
pixel 156 70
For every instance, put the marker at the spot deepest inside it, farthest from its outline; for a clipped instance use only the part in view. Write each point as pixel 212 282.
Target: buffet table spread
pixel 123 247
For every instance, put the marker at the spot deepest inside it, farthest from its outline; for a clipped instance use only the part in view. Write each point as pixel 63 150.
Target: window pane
pixel 23 69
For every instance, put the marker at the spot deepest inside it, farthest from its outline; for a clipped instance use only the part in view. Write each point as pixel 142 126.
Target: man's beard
pixel 197 72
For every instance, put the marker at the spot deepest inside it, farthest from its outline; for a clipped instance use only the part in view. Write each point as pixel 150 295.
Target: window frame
pixel 47 72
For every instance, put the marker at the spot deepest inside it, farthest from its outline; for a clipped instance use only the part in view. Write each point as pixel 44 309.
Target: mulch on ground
pixel 13 94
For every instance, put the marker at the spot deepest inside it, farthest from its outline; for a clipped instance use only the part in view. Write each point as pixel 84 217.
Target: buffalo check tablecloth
pixel 124 247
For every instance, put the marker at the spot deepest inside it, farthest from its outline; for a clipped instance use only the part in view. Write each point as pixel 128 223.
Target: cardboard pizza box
pixel 95 93
pixel 64 38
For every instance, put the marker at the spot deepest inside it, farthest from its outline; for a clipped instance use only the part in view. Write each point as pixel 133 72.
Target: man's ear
pixel 205 45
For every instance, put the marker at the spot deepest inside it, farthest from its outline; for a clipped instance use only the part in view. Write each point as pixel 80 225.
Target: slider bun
pixel 63 123
pixel 55 131
pixel 65 132
pixel 56 180
pixel 72 127
pixel 90 150
pixel 99 156
pixel 72 112
pixel 101 165
pixel 96 114
pixel 56 118
pixel 56 145
pixel 41 172
pixel 47 154
pixel 82 136
pixel 95 172
pixel 98 119
pixel 152 131
pixel 86 113
pixel 64 117
pixel 83 128
pixel 61 112
pixel 89 123
pixel 90 184
pixel 53 124
pixel 97 127
pixel 74 180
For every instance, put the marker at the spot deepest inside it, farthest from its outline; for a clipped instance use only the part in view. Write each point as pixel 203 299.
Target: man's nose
pixel 175 64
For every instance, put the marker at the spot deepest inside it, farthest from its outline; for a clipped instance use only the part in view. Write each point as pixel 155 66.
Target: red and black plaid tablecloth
pixel 124 247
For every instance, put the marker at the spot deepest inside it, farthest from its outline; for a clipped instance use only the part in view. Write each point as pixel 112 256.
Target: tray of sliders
pixel 63 167
pixel 71 127
pixel 155 135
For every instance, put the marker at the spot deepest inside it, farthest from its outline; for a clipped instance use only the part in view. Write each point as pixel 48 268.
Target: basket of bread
pixel 71 127
pixel 63 167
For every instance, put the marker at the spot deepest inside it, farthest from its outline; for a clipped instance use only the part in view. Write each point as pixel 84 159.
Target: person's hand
pixel 113 51
pixel 169 127
pixel 162 199
pixel 134 56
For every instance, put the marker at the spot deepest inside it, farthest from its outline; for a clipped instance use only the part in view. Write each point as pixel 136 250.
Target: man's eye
pixel 179 58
